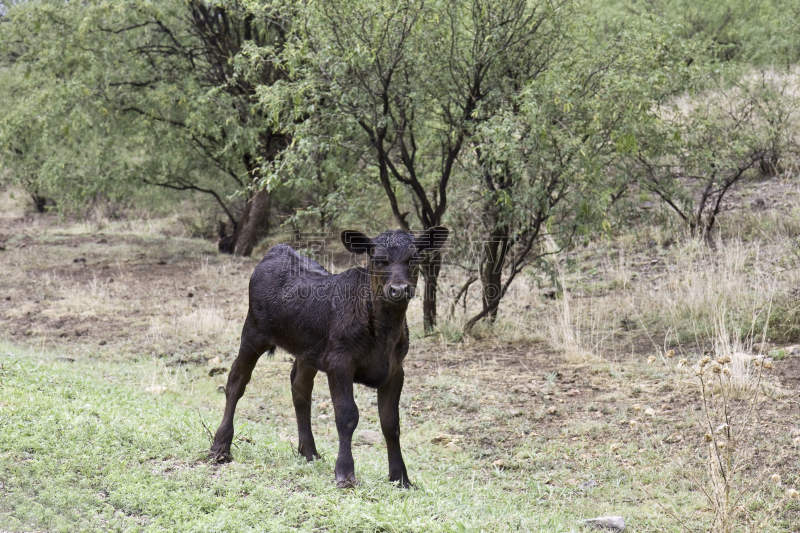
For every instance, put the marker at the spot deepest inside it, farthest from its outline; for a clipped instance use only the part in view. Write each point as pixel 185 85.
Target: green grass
pixel 80 452
pixel 87 446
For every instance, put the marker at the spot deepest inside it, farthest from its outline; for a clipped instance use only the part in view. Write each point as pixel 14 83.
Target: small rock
pixel 370 437
pixel 795 433
pixel 650 411
pixel 614 447
pixel 674 438
pixel 551 410
pixel 573 392
pixel 324 417
pixel 666 407
pixel 324 405
pixel 216 371
pixel 214 361
pixel 499 463
pixel 796 442
pixel 612 523
pixel 586 485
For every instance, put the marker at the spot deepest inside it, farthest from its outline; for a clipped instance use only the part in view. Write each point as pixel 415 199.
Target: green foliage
pixel 120 95
pixel 753 33
pixel 511 120
pixel 546 156
pixel 565 130
pixel 692 153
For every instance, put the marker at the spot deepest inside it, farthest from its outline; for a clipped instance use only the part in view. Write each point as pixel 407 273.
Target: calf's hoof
pixel 309 454
pixel 311 457
pixel 348 482
pixel 403 484
pixel 399 476
pixel 219 456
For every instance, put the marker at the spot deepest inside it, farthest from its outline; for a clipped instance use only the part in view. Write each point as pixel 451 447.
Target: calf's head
pixel 394 259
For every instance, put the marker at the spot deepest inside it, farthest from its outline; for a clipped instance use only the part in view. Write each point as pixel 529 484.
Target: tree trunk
pixel 494 254
pixel 430 272
pixel 39 203
pixel 253 224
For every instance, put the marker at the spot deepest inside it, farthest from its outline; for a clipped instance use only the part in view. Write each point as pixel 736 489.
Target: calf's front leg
pixel 346 412
pixel 389 412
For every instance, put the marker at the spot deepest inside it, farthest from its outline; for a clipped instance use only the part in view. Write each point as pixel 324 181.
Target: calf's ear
pixel 432 238
pixel 356 242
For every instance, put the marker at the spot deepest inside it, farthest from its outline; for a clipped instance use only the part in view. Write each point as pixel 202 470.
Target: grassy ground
pixel 85 448
pixel 114 334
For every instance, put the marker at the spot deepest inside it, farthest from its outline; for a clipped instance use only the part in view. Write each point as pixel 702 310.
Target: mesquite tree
pixel 545 160
pixel 409 80
pixel 692 155
pixel 162 82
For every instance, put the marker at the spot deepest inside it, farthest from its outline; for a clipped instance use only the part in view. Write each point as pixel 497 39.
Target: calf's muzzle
pixel 400 291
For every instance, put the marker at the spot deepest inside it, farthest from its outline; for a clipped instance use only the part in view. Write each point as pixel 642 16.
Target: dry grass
pixel 740 356
pixel 566 334
pixel 735 282
pixel 614 296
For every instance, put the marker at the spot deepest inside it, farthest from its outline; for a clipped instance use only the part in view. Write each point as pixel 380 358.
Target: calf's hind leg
pixel 302 378
pixel 251 348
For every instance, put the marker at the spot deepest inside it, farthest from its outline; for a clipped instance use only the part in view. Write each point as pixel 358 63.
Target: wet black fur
pixel 351 326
